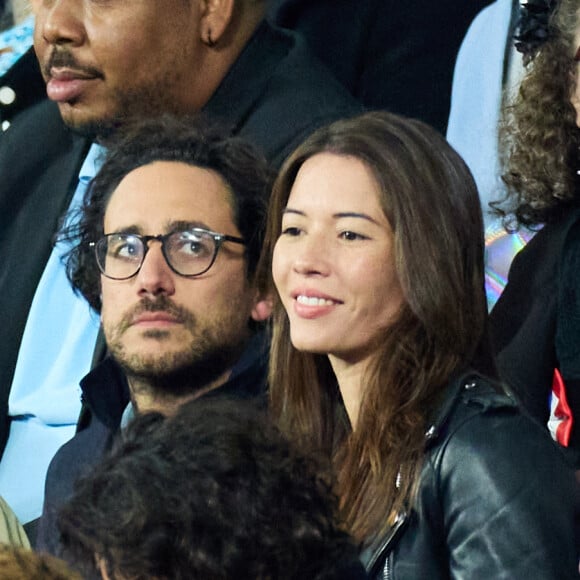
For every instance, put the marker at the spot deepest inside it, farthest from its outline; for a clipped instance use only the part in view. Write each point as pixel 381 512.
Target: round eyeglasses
pixel 188 253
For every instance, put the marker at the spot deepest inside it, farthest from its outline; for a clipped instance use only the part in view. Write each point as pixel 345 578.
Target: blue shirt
pixel 55 353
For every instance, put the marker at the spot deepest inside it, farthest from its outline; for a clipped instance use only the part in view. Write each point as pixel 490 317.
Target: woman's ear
pixel 216 15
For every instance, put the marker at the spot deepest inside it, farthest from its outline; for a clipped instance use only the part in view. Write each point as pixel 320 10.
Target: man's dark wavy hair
pixel 214 493
pixel 191 140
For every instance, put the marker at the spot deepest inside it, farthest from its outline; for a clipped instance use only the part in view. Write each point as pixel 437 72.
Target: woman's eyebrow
pixel 338 215
pixel 294 211
pixel 354 214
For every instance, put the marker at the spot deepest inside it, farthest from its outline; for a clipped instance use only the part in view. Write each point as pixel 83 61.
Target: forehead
pixel 155 195
pixel 336 182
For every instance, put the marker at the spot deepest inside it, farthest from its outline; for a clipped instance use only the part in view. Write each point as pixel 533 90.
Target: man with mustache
pixel 103 63
pixel 166 250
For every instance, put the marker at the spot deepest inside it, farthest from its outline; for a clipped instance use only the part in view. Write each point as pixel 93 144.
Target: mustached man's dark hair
pixel 190 140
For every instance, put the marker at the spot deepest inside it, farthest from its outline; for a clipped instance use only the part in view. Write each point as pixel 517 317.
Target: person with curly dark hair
pixel 165 249
pixel 536 322
pixel 213 493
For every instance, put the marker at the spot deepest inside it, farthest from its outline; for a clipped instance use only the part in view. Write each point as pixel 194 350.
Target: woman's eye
pixel 350 236
pixel 291 231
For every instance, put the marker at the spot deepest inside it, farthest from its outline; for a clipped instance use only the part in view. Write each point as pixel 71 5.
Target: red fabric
pixel 561 411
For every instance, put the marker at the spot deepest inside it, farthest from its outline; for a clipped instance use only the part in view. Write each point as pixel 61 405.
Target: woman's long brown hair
pixel 431 202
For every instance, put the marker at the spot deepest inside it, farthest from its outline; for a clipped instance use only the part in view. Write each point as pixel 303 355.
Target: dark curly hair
pixel 192 140
pixel 213 493
pixel 539 138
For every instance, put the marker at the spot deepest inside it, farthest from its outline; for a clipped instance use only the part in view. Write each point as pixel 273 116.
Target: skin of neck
pixel 146 398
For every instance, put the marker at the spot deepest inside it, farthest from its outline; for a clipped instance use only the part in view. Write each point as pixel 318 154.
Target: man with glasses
pixel 166 250
pixel 104 63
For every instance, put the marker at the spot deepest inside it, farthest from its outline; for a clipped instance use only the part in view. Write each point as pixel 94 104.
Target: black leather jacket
pixel 496 499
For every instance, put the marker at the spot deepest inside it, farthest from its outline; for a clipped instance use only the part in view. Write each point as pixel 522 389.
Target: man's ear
pixel 262 308
pixel 575 100
pixel 215 18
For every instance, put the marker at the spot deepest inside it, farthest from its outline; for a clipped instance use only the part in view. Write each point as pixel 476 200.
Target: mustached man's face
pixel 159 323
pixel 106 60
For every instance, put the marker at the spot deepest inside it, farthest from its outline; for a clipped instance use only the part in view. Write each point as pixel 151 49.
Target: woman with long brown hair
pixel 379 351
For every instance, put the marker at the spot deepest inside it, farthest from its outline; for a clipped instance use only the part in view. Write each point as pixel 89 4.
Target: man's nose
pixel 155 277
pixel 61 21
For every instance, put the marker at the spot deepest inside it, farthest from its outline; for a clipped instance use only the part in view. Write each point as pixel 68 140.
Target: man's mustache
pixel 160 304
pixel 62 58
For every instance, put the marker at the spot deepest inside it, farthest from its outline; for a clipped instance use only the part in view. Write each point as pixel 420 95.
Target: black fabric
pixel 352 569
pixel 274 95
pixel 277 93
pixel 106 388
pixel 534 324
pixel 390 54
pixel 25 80
pixel 497 498
pixel 568 322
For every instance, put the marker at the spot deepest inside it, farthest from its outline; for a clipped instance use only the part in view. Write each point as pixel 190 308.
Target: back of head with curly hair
pixel 213 493
pixel 539 137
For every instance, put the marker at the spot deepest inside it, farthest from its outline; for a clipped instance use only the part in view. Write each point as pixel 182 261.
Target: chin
pixel 309 345
pixel 90 126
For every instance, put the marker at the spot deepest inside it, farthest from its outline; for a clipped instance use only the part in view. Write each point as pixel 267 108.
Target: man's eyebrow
pixel 170 226
pixel 132 229
pixel 183 225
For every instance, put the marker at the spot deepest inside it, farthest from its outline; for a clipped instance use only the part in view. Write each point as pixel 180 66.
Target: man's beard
pixel 130 109
pixel 210 353
pixel 128 106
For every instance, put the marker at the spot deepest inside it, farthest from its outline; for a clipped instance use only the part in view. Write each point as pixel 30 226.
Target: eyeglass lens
pixel 189 253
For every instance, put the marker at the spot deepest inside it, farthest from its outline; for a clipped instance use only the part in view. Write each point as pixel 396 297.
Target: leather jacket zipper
pixel 377 557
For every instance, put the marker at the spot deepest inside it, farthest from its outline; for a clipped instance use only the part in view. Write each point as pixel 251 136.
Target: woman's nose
pixel 312 256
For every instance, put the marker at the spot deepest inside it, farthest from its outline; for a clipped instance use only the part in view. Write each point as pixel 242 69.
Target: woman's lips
pixel 312 305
